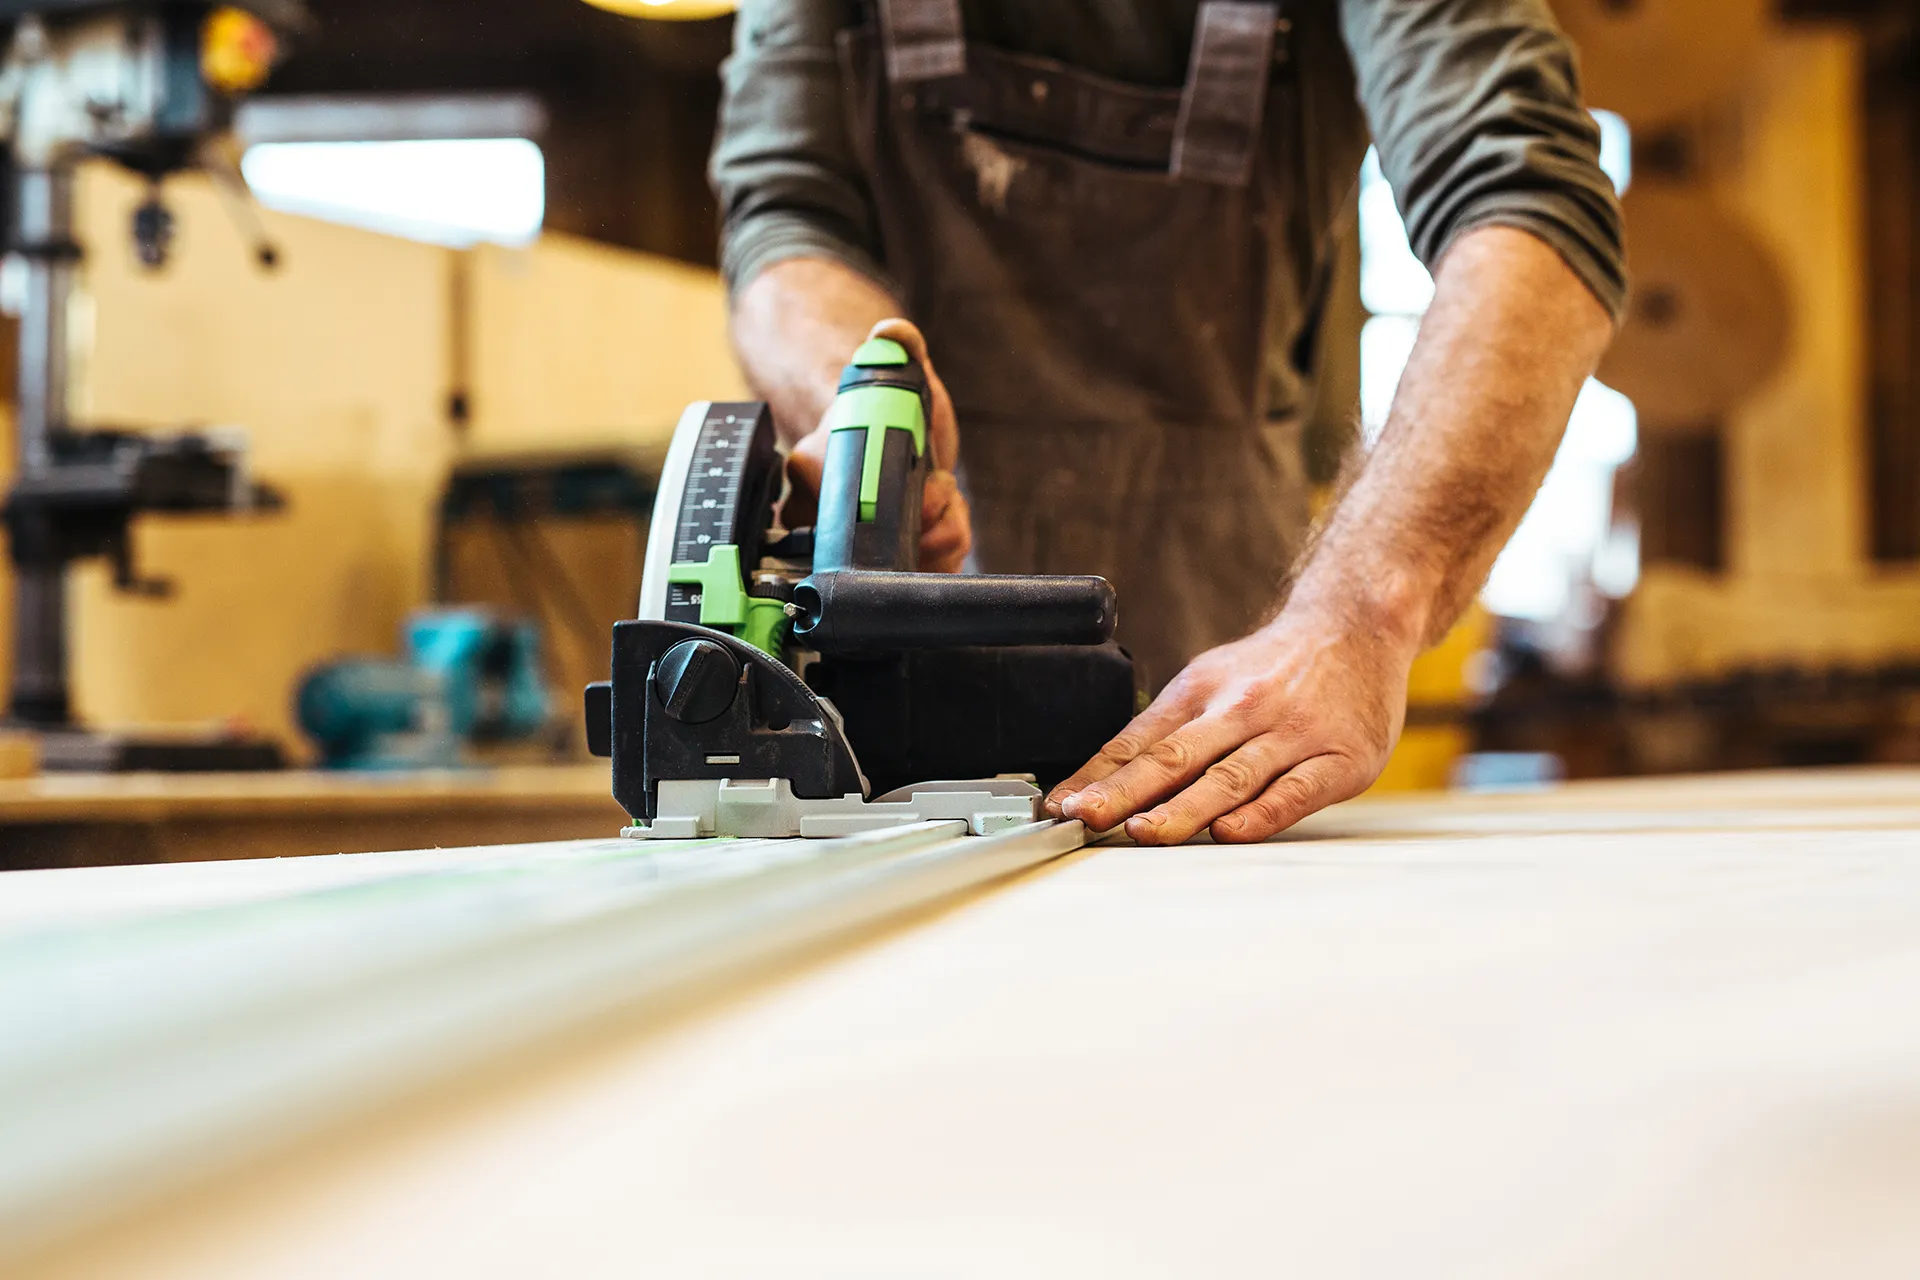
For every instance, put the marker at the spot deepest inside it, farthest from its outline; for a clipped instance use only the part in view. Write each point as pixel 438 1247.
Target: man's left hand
pixel 1253 736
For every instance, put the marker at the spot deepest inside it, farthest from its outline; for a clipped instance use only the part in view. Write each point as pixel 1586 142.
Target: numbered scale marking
pixel 718 484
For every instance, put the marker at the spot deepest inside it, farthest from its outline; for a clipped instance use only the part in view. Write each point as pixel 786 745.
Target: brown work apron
pixel 1094 265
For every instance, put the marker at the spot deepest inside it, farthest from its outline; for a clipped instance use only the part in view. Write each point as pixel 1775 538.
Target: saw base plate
pixel 693 808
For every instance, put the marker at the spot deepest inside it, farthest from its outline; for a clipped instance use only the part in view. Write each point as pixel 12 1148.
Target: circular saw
pixel 812 682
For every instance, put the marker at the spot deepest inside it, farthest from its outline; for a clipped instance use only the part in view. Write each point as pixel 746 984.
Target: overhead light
pixel 678 10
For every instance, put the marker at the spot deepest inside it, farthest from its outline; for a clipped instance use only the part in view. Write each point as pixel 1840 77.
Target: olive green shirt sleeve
pixel 784 169
pixel 1475 108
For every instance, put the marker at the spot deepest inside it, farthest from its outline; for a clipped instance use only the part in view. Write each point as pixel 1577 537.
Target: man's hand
pixel 794 328
pixel 1257 734
pixel 1252 736
pixel 946 526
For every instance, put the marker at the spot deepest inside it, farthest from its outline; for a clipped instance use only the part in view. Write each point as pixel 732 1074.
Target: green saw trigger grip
pixel 873 399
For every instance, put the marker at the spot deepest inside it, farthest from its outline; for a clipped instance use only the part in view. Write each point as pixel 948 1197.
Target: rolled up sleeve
pixel 1475 108
pixel 783 168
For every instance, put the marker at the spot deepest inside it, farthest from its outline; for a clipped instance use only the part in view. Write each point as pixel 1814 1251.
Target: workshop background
pixel 494 294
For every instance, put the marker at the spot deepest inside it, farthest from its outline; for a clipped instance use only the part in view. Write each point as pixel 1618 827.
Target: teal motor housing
pixel 468 677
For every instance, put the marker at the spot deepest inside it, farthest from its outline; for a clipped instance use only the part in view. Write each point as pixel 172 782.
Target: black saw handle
pixel 862 611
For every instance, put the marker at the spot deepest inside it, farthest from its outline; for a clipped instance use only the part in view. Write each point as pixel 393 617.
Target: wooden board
pixel 578 343
pixel 154 796
pixel 93 820
pixel 166 1025
pixel 1647 1029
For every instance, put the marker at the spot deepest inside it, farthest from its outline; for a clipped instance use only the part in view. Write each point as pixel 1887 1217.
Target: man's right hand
pixel 946 526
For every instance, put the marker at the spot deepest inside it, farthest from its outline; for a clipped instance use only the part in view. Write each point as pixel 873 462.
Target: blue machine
pixel 469 677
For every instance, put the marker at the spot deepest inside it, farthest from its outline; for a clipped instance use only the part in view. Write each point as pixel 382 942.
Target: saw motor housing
pixel 813 681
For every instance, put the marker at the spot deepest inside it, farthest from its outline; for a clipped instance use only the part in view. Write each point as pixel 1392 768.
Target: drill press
pixel 149 86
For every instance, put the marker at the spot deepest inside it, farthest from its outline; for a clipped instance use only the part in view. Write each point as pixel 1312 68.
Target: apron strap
pixel 1218 128
pixel 924 39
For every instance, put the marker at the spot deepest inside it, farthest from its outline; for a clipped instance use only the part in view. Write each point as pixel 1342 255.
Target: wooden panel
pixel 168 1027
pixel 165 797
pixel 1638 1029
pixel 335 365
pixel 78 820
pixel 110 843
pixel 579 343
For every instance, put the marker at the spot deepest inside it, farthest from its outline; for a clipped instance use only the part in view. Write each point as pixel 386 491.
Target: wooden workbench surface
pixel 1646 1029
pixel 139 797
pixel 106 819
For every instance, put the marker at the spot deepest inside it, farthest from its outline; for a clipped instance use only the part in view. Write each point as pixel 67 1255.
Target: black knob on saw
pixel 696 680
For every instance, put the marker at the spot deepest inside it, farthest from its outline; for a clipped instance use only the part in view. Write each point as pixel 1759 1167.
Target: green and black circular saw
pixel 798 682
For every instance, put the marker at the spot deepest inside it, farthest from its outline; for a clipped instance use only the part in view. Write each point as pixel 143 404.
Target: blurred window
pixel 451 191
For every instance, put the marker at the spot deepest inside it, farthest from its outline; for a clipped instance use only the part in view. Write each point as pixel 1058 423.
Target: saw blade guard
pixel 711 514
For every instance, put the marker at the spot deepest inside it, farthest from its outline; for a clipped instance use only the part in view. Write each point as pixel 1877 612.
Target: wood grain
pixel 1648 1029
pixel 152 1041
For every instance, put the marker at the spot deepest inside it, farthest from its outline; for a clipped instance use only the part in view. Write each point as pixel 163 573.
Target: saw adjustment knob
pixel 695 680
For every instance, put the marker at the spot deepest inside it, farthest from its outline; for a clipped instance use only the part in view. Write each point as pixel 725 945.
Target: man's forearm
pixel 1303 713
pixel 794 326
pixel 1510 339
